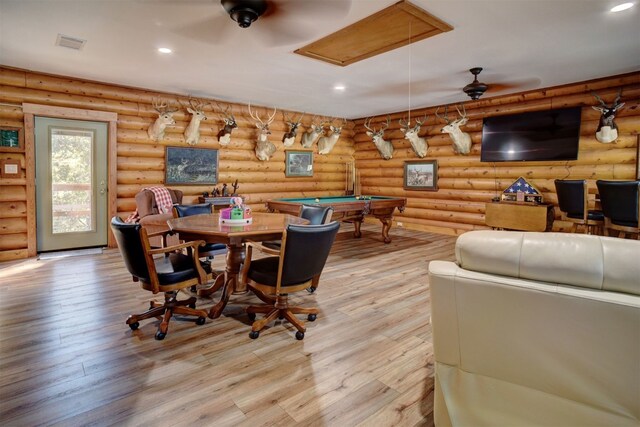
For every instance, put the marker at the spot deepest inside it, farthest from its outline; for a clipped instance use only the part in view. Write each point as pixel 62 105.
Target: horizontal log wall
pixel 465 184
pixel 141 161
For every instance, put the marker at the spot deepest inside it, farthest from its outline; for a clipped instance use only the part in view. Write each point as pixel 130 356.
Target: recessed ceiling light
pixel 164 50
pixel 339 87
pixel 621 7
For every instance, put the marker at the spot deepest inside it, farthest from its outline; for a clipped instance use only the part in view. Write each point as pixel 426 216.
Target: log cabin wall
pixel 141 161
pixel 465 184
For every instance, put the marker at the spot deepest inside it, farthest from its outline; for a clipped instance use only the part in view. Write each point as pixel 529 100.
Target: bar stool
pixel 573 202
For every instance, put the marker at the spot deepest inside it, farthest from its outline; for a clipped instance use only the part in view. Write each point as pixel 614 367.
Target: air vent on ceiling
pixel 70 42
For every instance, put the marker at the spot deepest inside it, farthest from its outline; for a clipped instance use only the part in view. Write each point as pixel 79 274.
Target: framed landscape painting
pixel 299 163
pixel 421 175
pixel 191 166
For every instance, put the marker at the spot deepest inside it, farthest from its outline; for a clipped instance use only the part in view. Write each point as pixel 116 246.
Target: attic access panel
pixel 391 28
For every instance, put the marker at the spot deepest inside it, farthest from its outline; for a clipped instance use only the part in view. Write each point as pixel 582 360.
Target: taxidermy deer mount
pixel 385 148
pixel 196 109
pixel 224 136
pixel 418 144
pixel 165 118
pixel 461 140
pixel 314 131
pixel 264 147
pixel 607 130
pixel 327 142
pixel 290 137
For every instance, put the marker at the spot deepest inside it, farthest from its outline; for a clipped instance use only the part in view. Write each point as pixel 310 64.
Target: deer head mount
pixel 327 142
pixel 224 135
pixel 165 118
pixel 196 109
pixel 461 140
pixel 385 148
pixel 607 130
pixel 290 136
pixel 418 144
pixel 264 147
pixel 313 132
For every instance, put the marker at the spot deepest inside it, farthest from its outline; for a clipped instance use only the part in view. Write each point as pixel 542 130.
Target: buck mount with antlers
pixel 385 148
pixel 461 140
pixel 290 136
pixel 264 147
pixel 418 144
pixel 165 118
pixel 607 131
pixel 196 109
pixel 224 135
pixel 314 131
pixel 327 142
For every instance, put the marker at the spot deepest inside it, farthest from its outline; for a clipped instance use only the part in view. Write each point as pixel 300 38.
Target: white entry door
pixel 71 184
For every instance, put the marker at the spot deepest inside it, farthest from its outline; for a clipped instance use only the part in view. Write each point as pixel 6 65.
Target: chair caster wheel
pixel 192 305
pixel 251 316
pixel 312 317
pixel 311 289
pixel 299 335
pixel 254 334
pixel 160 335
pixel 280 317
pixel 200 321
pixel 134 325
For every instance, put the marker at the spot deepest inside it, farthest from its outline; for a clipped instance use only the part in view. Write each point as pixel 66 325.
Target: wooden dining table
pixel 207 227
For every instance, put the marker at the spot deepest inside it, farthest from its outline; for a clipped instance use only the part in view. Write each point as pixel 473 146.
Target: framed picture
pixel 11 139
pixel 299 163
pixel 10 168
pixel 421 175
pixel 191 166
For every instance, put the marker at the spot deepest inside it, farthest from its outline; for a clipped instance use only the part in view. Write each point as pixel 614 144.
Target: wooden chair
pixel 209 250
pixel 291 270
pixel 167 274
pixel 316 215
pixel 573 202
pixel 620 204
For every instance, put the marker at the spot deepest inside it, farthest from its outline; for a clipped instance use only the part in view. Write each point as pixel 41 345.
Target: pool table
pixel 347 209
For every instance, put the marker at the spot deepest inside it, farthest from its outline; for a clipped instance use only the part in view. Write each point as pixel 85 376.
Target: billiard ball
pixel 317 200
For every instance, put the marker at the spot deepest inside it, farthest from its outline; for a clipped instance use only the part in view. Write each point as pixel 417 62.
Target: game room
pixel 320 212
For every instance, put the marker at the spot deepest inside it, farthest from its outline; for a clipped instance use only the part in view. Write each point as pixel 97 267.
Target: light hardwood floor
pixel 67 357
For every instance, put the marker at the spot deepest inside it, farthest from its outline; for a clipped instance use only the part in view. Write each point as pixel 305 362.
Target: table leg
pixel 386 226
pixel 217 309
pixel 235 256
pixel 357 222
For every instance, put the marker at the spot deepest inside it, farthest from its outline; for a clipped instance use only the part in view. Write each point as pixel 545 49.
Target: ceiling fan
pixel 271 22
pixel 476 89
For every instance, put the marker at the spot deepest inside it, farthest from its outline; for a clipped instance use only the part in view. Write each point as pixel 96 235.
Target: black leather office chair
pixel 168 274
pixel 209 250
pixel 291 270
pixel 573 202
pixel 620 204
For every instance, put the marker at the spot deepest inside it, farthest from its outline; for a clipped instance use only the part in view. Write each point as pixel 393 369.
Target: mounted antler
pixel 327 142
pixel 264 148
pixel 196 109
pixel 607 129
pixel 165 118
pixel 289 137
pixel 224 135
pixel 418 144
pixel 385 148
pixel 461 140
pixel 314 131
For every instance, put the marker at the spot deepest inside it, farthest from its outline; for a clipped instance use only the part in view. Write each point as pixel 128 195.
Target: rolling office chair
pixel 167 274
pixel 209 250
pixel 573 202
pixel 620 204
pixel 316 215
pixel 290 270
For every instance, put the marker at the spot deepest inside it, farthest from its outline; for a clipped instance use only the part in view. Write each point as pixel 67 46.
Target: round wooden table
pixel 207 227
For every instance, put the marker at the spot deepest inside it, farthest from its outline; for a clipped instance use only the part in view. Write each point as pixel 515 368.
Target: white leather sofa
pixel 537 329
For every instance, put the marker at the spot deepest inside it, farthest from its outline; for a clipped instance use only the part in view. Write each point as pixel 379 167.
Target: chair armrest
pixel 193 244
pixel 261 248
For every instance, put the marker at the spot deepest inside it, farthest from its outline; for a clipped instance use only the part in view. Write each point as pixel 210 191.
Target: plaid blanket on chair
pixel 163 201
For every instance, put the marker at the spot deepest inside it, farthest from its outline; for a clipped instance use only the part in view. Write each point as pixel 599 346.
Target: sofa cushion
pixel 146 201
pixel 574 259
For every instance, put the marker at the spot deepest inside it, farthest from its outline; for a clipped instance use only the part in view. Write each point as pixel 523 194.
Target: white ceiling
pixel 528 43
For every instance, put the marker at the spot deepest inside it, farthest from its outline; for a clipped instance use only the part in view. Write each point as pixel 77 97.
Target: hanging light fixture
pixel 475 89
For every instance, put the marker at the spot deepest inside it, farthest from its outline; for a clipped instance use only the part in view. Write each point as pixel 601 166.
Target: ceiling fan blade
pixel 210 30
pixel 520 85
pixel 309 10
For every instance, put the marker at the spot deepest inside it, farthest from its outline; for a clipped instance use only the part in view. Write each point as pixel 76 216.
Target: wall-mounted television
pixel 550 135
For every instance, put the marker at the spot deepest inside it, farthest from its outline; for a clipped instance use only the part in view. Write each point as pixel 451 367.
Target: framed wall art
pixel 191 166
pixel 299 163
pixel 421 175
pixel 11 139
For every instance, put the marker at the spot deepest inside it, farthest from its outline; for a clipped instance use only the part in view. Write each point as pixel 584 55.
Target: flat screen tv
pixel 536 136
